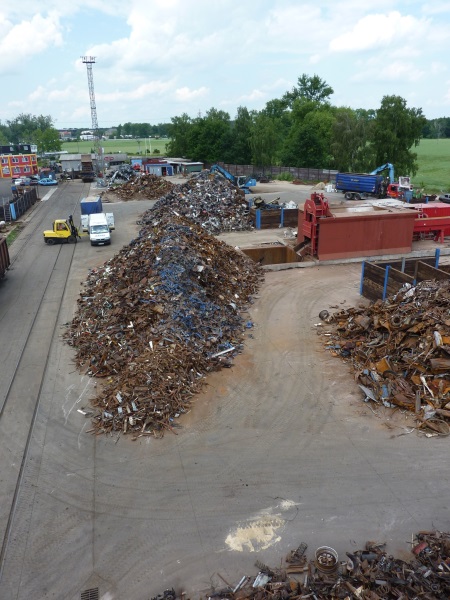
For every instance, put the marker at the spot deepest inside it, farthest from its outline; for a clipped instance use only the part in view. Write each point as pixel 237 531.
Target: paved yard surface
pixel 277 450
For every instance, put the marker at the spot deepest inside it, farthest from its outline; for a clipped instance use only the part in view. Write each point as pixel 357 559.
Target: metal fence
pixel 303 174
pixel 13 208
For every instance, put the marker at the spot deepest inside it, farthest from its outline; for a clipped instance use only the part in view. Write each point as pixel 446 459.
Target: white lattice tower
pixel 89 61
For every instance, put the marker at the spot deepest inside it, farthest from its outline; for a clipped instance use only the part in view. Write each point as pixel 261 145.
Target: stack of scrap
pixel 369 574
pixel 156 318
pixel 144 187
pixel 400 348
pixel 209 201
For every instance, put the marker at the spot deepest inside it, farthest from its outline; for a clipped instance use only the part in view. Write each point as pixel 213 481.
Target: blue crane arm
pixel 387 166
pixel 224 172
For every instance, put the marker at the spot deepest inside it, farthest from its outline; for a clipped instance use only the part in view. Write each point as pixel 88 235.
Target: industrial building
pixel 166 166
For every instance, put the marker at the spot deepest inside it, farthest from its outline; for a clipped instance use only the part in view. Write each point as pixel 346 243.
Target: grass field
pixel 433 157
pixel 131 147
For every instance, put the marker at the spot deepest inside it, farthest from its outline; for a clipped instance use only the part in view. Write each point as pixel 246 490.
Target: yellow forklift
pixel 64 230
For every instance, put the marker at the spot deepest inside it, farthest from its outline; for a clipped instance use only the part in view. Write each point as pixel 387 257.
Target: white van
pixel 99 226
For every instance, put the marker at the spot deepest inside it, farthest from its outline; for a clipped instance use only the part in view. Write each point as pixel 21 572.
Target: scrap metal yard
pixel 226 427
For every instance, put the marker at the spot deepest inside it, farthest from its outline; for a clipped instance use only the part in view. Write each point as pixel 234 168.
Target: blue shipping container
pixel 91 205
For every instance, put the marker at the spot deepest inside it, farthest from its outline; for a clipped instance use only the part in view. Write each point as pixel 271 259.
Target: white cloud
pixel 185 94
pixel 379 30
pixel 154 57
pixel 27 38
pixel 253 95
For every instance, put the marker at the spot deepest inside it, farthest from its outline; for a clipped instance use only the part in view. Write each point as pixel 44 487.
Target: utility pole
pixel 89 61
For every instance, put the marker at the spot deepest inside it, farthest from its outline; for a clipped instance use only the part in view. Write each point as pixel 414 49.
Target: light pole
pixel 139 146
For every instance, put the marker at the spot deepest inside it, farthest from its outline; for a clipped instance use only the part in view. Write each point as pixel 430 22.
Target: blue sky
pixel 156 59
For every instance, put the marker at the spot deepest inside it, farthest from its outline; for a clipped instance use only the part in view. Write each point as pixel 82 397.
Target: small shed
pixel 160 169
pixel 184 166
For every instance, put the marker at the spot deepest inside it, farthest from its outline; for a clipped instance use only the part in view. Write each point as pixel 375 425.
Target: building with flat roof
pixel 18 165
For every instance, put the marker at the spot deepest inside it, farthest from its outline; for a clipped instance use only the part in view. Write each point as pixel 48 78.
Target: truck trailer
pixel 356 186
pixel 4 257
pixel 87 172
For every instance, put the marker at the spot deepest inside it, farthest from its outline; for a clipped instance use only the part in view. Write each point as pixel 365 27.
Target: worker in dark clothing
pixel 73 229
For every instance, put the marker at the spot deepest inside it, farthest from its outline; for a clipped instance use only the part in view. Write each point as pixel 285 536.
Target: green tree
pixel 240 151
pixel 308 142
pixel 395 131
pixel 350 137
pixel 313 89
pixel 210 136
pixel 47 140
pixel 22 128
pixel 264 141
pixel 180 131
pixel 4 134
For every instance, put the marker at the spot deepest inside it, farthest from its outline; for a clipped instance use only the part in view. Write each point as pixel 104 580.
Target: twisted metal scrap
pixel 156 318
pixel 368 574
pixel 146 186
pixel 210 201
pixel 400 348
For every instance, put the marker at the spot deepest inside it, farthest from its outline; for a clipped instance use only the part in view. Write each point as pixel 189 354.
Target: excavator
pixel 240 181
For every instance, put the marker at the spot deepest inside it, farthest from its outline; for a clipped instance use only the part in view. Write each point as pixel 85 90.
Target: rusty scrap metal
pixel 368 574
pixel 400 349
pixel 142 187
pixel 155 319
pixel 211 202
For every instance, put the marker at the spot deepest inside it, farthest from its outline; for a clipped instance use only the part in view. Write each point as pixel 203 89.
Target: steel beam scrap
pixel 400 351
pixel 156 318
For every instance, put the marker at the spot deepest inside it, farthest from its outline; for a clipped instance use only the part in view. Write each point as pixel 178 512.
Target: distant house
pixel 109 133
pixel 87 135
pixel 67 135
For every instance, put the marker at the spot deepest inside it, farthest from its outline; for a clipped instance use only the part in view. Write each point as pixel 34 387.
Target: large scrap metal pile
pixel 400 350
pixel 208 200
pixel 369 574
pixel 156 318
pixel 146 186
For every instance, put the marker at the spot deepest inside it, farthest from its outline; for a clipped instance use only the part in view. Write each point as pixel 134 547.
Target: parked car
pixel 26 181
pixel 47 181
pixel 444 198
